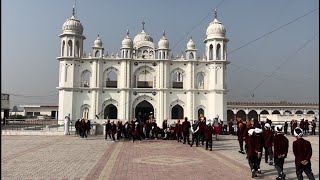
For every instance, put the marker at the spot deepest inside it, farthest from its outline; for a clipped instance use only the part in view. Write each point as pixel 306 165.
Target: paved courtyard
pixel 69 157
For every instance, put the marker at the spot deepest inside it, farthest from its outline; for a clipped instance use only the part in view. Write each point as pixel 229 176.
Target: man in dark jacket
pixel 313 130
pixel 113 130
pixel 285 127
pixel 178 129
pixel 185 130
pixel 259 146
pixel 202 124
pixel 136 132
pixel 240 133
pixel 268 140
pixel 281 145
pixel 208 131
pixel 302 151
pixel 108 130
pixel 252 153
pixel 195 133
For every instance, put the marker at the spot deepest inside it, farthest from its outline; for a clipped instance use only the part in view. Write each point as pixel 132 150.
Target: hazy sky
pixel 269 69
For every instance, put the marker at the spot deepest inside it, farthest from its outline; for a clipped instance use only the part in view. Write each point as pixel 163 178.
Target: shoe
pixel 253 174
pixel 131 141
pixel 278 178
pixel 259 171
pixel 240 152
pixel 270 163
pixel 283 176
pixel 184 143
pixel 190 145
pixel 210 149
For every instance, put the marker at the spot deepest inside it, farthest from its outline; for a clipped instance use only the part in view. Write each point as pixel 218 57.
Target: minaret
pixel 97 48
pixel 127 47
pixel 163 47
pixel 191 51
pixel 216 50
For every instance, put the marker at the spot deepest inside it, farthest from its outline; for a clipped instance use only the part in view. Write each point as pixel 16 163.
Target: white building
pixel 142 78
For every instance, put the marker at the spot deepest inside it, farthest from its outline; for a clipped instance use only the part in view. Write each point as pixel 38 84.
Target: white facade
pixel 142 78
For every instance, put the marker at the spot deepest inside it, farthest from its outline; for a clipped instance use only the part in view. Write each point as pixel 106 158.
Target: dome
pixel 216 29
pixel 97 42
pixel 190 44
pixel 143 36
pixel 127 42
pixel 72 25
pixel 163 43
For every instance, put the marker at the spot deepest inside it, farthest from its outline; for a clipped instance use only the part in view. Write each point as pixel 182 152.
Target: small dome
pixel 216 29
pixel 127 42
pixel 190 44
pixel 163 43
pixel 72 25
pixel 97 42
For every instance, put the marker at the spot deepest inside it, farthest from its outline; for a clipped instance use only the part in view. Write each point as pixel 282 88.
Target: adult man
pixel 113 130
pixel 252 153
pixel 268 140
pixel 108 130
pixel 231 130
pixel 208 133
pixel 202 124
pixel 147 128
pixel 285 127
pixel 136 133
pixel 216 124
pixel 281 146
pixel 259 146
pixel 178 129
pixel 302 151
pixel 313 130
pixel 240 133
pixel 195 133
pixel 185 130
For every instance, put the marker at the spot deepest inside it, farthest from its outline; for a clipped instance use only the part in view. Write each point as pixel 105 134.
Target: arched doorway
pixel 253 114
pixel 200 112
pixel 241 114
pixel 230 115
pixel 143 110
pixel 110 112
pixel 177 112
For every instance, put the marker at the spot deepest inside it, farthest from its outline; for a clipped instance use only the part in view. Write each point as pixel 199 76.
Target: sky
pixel 273 45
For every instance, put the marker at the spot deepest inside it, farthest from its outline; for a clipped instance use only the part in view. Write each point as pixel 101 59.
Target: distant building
pixel 5 105
pixel 40 110
pixel 143 79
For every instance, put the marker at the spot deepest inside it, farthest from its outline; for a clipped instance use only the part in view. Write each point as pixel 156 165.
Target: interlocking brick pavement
pixel 71 157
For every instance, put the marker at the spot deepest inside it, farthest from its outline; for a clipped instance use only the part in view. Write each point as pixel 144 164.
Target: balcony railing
pixel 177 85
pixel 145 84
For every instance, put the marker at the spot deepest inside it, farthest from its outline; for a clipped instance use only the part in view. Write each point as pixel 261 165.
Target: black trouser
pixel 83 133
pixel 186 138
pixel 201 138
pixel 106 135
pixel 136 137
pixel 259 160
pixel 304 168
pixel 148 133
pixel 209 143
pixel 119 135
pixel 313 131
pixel 195 137
pixel 179 137
pixel 253 162
pixel 241 145
pixel 268 153
pixel 292 129
pixel 278 164
pixel 286 131
pixel 113 138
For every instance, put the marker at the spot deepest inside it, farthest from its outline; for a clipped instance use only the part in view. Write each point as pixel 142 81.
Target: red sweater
pixel 302 150
pixel 268 138
pixel 281 145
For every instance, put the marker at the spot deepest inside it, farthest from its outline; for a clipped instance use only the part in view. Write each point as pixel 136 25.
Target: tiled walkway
pixel 69 157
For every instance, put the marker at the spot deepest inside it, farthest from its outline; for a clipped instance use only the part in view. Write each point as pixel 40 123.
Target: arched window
pixel 77 51
pixel 299 112
pixel 163 55
pixel 127 54
pixel 97 53
pixel 200 81
pixel 177 80
pixel 112 80
pixel 264 112
pixel 310 112
pixel 110 112
pixel 253 114
pixel 145 79
pixel 287 112
pixel 68 73
pixel 69 48
pixel 200 112
pixel 177 112
pixel 85 112
pixel 224 52
pixel 275 112
pixel 241 114
pixel 63 46
pixel 85 78
pixel 145 54
pixel 191 56
pixel 210 52
pixel 218 52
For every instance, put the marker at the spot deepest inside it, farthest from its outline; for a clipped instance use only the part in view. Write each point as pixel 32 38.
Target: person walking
pixel 252 153
pixel 302 151
pixel 259 146
pixel 240 134
pixel 313 129
pixel 108 130
pixel 202 124
pixel 208 134
pixel 195 133
pixel 178 130
pixel 185 130
pixel 66 125
pixel 285 127
pixel 268 140
pixel 281 146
